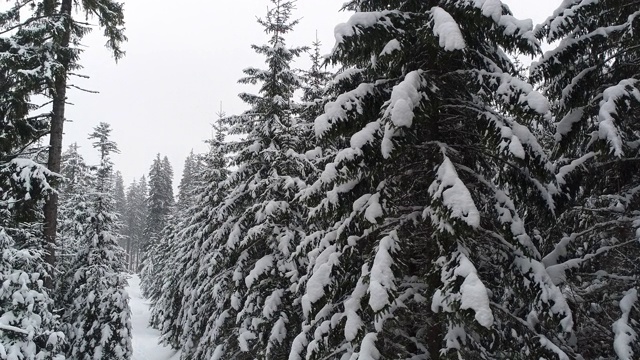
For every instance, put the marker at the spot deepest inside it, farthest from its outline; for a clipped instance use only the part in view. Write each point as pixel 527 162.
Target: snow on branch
pixel 366 135
pixel 13 328
pixel 392 45
pixel 568 42
pixel 447 30
pixel 370 205
pixel 553 257
pixel 321 278
pixel 607 129
pixel 472 293
pixel 354 322
pixel 261 267
pixel 494 9
pixel 550 297
pixel 405 97
pixel 564 171
pixel 563 17
pixel 511 86
pixel 557 272
pixel 563 127
pixel 549 345
pixel 368 349
pixel 361 20
pixel 338 110
pixel 382 281
pixel 624 334
pixel 454 194
pixel 26 173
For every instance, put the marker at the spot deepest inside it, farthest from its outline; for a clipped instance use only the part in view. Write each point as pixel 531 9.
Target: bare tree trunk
pixel 55 142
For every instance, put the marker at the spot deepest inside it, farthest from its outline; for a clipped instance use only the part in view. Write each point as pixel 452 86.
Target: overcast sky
pixel 184 60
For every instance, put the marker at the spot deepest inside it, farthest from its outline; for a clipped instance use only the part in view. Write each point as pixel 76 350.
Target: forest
pixel 417 193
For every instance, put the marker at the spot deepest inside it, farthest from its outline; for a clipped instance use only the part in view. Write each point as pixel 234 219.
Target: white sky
pixel 182 61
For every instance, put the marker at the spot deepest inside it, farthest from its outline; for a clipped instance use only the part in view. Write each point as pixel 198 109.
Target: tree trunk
pixel 55 142
pixel 129 253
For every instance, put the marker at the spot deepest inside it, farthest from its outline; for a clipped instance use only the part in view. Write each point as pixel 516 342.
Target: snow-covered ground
pixel 145 339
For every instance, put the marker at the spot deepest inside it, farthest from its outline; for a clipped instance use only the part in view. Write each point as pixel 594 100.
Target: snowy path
pixel 145 339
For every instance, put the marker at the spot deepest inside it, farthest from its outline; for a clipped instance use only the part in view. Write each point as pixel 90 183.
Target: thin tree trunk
pixel 129 253
pixel 137 260
pixel 55 142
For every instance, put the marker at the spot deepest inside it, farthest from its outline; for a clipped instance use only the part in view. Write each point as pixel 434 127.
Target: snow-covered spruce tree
pixel 162 283
pixel 423 251
pixel 252 308
pixel 167 180
pixel 316 92
pixel 181 311
pixel 314 86
pixel 164 270
pixel 135 218
pixel 160 203
pixel 74 204
pixel 22 126
pixel 164 265
pixel 120 199
pixel 44 45
pixel 27 325
pixel 592 76
pixel 188 182
pixel 97 310
pixel 28 328
pixel 163 253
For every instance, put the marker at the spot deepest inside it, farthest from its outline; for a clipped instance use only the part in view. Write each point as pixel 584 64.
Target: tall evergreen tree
pixel 163 283
pixel 119 195
pixel 120 199
pixel 27 324
pixel 43 49
pixel 160 203
pixel 167 180
pixel 260 222
pixel 180 312
pixel 28 328
pixel 316 92
pixel 98 305
pixel 160 197
pixel 22 128
pixel 243 239
pixel 73 170
pixel 73 215
pixel 421 249
pixel 129 223
pixel 135 219
pixel 592 77
pixel 188 181
pixel 315 81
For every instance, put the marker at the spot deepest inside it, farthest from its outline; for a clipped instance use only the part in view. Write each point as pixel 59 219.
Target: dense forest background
pixel 418 193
